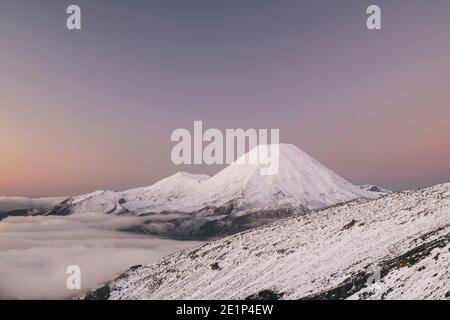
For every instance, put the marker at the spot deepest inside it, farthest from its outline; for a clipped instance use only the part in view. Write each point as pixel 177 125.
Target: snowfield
pixel 324 254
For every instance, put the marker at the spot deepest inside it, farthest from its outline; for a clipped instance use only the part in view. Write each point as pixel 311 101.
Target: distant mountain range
pixel 22 206
pixel 188 206
pixel 21 203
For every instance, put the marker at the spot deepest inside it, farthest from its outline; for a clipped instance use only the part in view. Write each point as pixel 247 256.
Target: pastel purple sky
pixel 94 109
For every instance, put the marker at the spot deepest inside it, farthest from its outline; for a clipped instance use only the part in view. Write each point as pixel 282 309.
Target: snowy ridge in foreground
pixel 321 255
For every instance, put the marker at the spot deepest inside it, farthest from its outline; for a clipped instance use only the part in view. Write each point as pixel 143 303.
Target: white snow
pixel 309 254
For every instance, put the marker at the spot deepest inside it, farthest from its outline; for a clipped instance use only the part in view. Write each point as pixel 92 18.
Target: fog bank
pixel 36 251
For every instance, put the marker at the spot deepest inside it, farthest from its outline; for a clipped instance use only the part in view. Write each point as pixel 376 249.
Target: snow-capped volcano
pixel 301 181
pixel 216 205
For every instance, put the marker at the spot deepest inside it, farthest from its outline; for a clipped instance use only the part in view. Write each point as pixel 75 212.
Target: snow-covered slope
pixel 165 195
pixel 326 254
pixel 169 194
pixel 301 182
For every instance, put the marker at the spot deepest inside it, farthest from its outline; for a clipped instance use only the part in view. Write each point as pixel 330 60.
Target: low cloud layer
pixel 20 203
pixel 35 252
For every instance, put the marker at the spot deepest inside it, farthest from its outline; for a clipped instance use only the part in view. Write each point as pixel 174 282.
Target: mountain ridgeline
pixel 188 206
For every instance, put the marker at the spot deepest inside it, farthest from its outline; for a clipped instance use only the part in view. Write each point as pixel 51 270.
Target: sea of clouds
pixel 36 251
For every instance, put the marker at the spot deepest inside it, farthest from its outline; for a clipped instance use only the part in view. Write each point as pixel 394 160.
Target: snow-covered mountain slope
pixel 301 182
pixel 169 194
pixel 165 195
pixel 325 254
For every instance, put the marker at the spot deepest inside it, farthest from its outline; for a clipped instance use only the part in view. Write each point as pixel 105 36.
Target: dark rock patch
pixel 350 225
pixel 102 293
pixel 265 295
pixel 215 266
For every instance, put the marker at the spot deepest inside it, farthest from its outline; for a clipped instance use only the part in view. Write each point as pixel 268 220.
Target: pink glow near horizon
pixel 95 110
